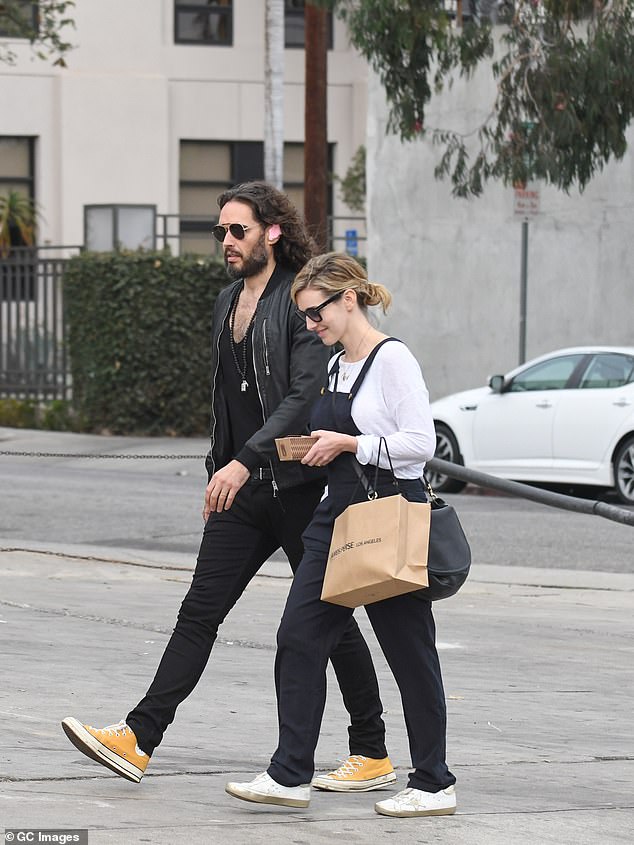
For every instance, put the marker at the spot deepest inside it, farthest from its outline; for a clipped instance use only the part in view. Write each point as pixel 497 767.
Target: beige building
pixel 162 105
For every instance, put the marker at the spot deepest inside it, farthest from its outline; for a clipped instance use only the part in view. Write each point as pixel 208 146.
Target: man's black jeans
pixel 234 546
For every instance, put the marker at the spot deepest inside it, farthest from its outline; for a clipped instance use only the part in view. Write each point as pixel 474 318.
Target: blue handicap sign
pixel 352 246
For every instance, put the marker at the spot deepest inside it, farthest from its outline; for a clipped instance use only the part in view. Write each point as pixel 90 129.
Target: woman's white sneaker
pixel 414 802
pixel 264 790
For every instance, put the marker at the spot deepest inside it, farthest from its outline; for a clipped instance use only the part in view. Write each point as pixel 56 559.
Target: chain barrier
pixel 102 456
pixel 557 500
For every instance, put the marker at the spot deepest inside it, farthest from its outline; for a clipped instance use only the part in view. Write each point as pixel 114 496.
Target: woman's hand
pixel 329 444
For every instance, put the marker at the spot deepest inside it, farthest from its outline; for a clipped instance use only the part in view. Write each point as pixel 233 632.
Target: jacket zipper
pixel 257 385
pixel 266 349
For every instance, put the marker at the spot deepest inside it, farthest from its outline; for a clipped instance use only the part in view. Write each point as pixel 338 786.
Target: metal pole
pixel 523 290
pixel 316 124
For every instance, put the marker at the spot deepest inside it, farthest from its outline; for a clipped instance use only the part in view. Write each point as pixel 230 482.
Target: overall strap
pixel 359 380
pixel 369 488
pixel 334 370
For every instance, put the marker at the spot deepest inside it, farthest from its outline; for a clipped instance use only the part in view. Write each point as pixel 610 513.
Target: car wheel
pixel 624 471
pixel 447 450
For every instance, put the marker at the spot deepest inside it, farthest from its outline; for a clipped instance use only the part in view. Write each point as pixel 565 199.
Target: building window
pixel 207 168
pixel 125 226
pixel 294 174
pixel 203 22
pixel 21 22
pixel 16 170
pixel 17 276
pixel 294 24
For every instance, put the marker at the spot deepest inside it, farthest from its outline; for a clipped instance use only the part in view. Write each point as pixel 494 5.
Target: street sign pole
pixel 523 290
pixel 526 205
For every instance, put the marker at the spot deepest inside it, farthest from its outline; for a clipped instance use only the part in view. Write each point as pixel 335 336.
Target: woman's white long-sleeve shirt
pixel 392 402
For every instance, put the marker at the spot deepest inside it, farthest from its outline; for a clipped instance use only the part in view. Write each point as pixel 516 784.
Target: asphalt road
pixel 535 664
pixel 154 504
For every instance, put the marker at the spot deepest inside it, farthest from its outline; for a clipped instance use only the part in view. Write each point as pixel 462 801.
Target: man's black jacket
pixel 290 366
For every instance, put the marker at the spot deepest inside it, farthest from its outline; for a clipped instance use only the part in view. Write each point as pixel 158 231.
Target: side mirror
pixel 496 383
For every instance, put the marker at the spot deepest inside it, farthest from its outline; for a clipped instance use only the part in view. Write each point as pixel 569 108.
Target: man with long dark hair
pixel 267 371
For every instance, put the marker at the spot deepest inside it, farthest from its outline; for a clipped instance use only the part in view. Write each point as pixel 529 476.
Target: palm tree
pixel 18 221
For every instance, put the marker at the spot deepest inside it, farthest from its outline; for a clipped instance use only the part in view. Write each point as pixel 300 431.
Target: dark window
pixel 478 11
pixel 22 22
pixel 294 24
pixel 17 273
pixel 16 165
pixel 203 22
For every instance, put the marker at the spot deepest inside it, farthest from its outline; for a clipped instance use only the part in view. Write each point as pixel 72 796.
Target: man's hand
pixel 329 444
pixel 223 486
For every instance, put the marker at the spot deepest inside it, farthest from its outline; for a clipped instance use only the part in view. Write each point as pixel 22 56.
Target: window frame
pixel 183 6
pixel 34 22
pixel 28 181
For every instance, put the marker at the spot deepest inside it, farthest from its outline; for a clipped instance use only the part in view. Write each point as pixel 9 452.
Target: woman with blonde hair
pixel 375 391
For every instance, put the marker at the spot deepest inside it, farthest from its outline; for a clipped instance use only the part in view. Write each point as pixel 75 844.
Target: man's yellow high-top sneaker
pixel 114 747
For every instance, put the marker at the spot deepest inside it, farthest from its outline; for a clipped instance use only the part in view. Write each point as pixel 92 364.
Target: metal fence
pixel 33 355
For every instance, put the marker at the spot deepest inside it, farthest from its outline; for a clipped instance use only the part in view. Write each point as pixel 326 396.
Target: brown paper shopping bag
pixel 378 550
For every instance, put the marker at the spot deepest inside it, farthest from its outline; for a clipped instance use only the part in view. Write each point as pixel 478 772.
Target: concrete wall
pixel 454 265
pixel 108 127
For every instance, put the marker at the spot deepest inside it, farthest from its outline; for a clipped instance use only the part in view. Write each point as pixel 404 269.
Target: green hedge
pixel 52 414
pixel 139 340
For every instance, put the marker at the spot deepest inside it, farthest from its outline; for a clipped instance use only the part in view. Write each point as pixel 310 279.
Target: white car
pixel 566 417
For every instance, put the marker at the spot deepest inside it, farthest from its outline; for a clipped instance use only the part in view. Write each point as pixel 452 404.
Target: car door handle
pixel 544 404
pixel 621 403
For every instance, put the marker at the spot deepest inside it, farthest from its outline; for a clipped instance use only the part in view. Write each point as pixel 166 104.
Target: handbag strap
pixel 434 498
pixel 370 490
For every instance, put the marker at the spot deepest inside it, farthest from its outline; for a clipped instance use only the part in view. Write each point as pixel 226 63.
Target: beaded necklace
pixel 240 347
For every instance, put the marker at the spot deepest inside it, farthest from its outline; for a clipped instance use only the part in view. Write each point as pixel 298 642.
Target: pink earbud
pixel 274 232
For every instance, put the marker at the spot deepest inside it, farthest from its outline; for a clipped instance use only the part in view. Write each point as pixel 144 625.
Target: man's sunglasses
pixel 314 313
pixel 238 231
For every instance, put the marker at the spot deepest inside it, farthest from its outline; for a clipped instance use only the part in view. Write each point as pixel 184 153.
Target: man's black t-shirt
pixel 243 407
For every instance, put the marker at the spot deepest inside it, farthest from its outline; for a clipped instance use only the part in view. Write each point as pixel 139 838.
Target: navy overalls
pixel 310 628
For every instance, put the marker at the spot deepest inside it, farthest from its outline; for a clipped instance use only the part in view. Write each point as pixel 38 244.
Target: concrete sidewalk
pixel 537 668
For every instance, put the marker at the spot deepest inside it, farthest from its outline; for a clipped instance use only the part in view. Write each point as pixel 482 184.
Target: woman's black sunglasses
pixel 314 313
pixel 238 231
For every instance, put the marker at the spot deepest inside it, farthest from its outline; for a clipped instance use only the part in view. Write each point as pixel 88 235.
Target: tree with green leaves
pixel 18 222
pixel 41 23
pixel 563 73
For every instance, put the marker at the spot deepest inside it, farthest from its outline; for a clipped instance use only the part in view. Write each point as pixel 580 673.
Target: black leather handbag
pixel 449 556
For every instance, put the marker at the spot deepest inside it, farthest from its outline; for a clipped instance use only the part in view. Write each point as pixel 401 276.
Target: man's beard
pixel 251 265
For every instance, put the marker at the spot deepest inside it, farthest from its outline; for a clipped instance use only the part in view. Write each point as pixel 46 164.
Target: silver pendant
pixel 244 385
